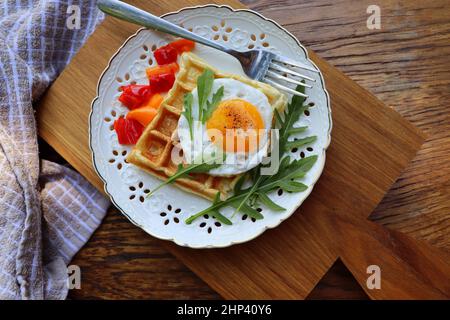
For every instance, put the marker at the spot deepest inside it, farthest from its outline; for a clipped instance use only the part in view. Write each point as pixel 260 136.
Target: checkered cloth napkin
pixel 47 211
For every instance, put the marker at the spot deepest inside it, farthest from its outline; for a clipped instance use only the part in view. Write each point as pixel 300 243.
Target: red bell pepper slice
pixel 134 95
pixel 169 53
pixel 165 55
pixel 128 130
pixel 162 82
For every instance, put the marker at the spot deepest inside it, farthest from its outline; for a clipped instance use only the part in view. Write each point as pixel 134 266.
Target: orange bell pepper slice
pixel 145 114
pixel 182 45
pixel 142 115
pixel 165 68
pixel 154 101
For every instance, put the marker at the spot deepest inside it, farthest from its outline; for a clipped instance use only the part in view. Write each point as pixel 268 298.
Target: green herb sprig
pixel 184 171
pixel 204 86
pixel 205 107
pixel 187 113
pixel 284 179
pixel 212 105
pixel 287 119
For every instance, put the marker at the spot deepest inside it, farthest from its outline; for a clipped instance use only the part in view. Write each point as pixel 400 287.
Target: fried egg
pixel 238 128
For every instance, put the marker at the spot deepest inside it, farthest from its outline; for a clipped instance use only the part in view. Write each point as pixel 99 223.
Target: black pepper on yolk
pixel 235 125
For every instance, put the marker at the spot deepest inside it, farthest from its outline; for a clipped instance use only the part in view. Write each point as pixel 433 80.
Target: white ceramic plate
pixel 163 214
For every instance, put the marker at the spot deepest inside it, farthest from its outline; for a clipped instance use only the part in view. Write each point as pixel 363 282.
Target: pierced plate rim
pixel 305 194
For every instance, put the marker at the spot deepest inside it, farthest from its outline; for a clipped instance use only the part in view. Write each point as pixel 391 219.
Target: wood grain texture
pixel 123 262
pixel 322 228
pixel 364 128
pixel 338 283
pixel 406 65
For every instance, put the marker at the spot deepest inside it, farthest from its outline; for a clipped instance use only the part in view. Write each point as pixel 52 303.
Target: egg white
pixel 234 163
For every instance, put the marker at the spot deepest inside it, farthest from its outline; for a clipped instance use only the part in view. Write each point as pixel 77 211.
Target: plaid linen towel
pixel 47 211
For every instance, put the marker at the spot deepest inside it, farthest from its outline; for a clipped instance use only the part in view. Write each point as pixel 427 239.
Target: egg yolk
pixel 235 125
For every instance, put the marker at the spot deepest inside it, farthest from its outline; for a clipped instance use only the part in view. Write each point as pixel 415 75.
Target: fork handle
pixel 140 17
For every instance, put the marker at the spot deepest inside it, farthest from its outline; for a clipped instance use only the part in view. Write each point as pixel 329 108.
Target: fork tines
pixel 279 69
pixel 292 63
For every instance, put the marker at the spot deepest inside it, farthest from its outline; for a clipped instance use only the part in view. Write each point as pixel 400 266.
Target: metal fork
pixel 261 65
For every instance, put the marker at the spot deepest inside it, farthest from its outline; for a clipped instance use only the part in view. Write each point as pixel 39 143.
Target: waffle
pixel 153 149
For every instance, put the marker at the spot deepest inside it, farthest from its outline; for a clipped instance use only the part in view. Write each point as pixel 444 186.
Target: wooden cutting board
pixel 370 146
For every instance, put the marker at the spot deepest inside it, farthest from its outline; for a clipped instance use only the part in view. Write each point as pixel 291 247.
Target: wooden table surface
pixel 406 64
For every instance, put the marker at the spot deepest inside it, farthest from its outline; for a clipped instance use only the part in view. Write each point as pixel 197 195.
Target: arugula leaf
pixel 265 200
pixel 297 101
pixel 298 143
pixel 220 217
pixel 204 86
pixel 291 171
pixel 183 171
pixel 295 169
pixel 278 118
pixel 297 130
pixel 294 110
pixel 216 213
pixel 238 186
pixel 251 212
pixel 187 102
pixel 244 201
pixel 212 105
pixel 288 170
pixel 292 186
